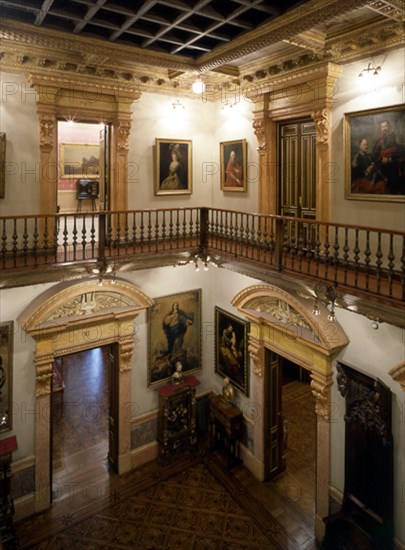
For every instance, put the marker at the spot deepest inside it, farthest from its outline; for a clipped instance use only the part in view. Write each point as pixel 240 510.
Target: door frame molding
pixel 58 322
pixel 304 93
pixel 59 99
pixel 284 323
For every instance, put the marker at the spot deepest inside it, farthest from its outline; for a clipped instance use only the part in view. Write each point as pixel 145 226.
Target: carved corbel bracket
pixel 255 349
pixel 320 386
pixel 321 119
pixel 398 374
pixel 259 128
pixel 126 350
pixel 47 126
pixel 123 131
pixel 43 367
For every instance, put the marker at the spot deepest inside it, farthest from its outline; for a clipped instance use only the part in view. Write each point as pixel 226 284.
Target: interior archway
pixel 77 316
pixel 284 323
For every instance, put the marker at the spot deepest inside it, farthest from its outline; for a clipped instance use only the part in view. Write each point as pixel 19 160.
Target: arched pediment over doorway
pixel 292 314
pixel 76 303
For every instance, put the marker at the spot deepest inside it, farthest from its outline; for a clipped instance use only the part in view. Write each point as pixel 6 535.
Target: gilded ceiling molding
pixel 397 373
pixel 83 47
pixel 255 349
pixel 321 119
pixel 321 386
pixel 43 376
pixel 292 23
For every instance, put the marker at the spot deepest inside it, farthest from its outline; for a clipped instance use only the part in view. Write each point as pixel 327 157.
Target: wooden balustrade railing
pixel 362 258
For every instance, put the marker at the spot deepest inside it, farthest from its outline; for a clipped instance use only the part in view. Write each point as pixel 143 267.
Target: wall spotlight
pixel 375 325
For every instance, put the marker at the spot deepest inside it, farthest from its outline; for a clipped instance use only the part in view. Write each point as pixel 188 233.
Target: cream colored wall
pixel 374 352
pixel 206 124
pixel 350 96
pixel 19 120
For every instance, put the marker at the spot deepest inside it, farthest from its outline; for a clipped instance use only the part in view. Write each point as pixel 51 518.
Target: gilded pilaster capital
pixel 255 349
pixel 320 386
pixel 43 377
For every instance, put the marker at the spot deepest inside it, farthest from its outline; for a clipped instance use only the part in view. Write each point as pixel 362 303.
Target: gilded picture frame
pixel 79 160
pixel 374 143
pixel 173 167
pixel 174 334
pixel 233 171
pixel 231 353
pixel 6 375
pixel 2 165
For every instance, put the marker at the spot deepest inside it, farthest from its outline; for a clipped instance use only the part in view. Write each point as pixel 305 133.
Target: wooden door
pixel 274 461
pixel 113 389
pixel 296 174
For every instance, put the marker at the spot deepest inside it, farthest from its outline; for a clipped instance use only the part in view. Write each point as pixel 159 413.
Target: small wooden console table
pixel 226 429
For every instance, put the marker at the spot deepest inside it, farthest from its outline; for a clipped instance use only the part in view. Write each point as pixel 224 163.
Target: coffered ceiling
pixel 190 28
pixel 164 44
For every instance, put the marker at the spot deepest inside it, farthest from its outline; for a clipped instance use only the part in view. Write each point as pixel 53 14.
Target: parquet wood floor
pixel 193 503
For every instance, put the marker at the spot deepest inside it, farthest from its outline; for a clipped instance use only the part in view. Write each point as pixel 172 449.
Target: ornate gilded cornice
pixel 292 23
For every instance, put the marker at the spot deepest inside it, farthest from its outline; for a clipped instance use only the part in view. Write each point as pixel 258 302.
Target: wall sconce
pixel 370 70
pixel 178 104
pixel 228 105
pixel 198 86
pixel 103 268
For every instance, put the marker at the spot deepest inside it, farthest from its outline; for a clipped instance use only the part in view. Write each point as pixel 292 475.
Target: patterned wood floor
pixel 193 503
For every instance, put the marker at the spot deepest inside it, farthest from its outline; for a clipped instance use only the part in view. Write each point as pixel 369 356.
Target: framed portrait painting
pixel 375 154
pixel 233 165
pixel 173 167
pixel 79 160
pixel 6 375
pixel 174 334
pixel 231 355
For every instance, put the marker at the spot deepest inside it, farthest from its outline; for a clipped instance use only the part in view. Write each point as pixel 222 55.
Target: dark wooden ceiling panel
pixel 177 27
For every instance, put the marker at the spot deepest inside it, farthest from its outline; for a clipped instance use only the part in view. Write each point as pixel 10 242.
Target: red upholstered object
pixel 170 389
pixel 8 445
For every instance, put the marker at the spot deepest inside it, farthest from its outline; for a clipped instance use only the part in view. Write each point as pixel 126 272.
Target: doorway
pixel 296 146
pixel 291 428
pixel 83 427
pixel 83 161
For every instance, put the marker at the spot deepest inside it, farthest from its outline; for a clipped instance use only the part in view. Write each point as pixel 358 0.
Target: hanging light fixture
pixel 198 86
